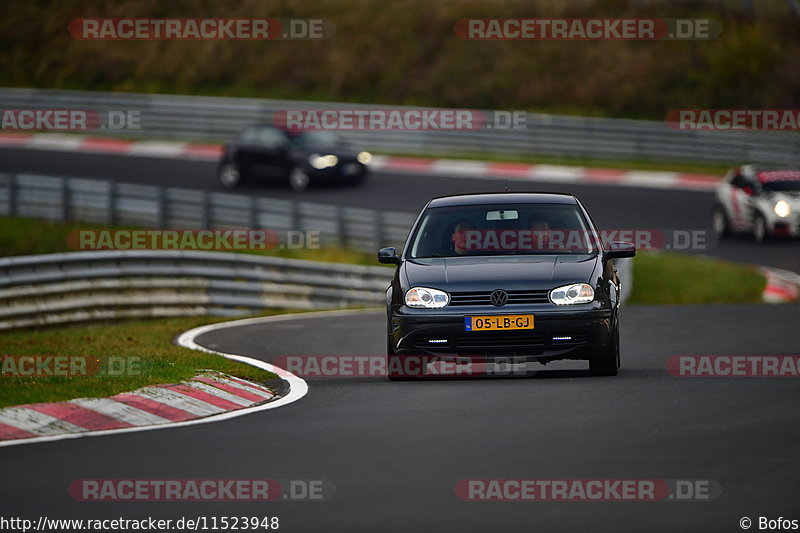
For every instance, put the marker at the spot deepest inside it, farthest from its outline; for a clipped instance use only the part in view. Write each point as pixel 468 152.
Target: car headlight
pixel 364 158
pixel 323 161
pixel 426 298
pixel 579 293
pixel 782 208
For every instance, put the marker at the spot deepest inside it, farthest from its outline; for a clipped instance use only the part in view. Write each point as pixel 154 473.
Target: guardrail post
pixel 12 195
pixel 112 203
pixel 379 233
pixel 295 216
pixel 340 229
pixel 205 211
pixel 161 208
pixel 64 200
pixel 253 214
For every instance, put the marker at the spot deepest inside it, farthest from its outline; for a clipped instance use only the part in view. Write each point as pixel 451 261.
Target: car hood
pixel 507 272
pixel 792 197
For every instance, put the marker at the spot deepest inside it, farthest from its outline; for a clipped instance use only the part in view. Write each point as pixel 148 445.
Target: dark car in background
pixel 515 277
pixel 300 158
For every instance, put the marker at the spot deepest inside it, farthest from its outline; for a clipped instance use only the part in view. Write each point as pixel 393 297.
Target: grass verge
pixel 132 354
pixel 672 278
pixel 28 236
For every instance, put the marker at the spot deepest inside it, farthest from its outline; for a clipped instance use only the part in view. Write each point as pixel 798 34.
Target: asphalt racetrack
pixel 613 207
pixel 394 451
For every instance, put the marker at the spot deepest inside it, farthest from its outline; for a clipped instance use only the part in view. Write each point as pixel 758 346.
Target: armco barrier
pixel 125 204
pixel 218 118
pixel 76 286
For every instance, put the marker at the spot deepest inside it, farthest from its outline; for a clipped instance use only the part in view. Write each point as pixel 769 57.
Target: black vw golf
pixel 300 157
pixel 511 277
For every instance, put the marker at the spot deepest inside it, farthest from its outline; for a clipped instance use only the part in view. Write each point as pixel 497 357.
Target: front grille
pixel 514 297
pixel 497 341
pixel 488 340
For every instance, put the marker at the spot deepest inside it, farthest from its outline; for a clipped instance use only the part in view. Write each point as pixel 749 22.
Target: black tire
pixel 608 363
pixel 299 180
pixel 391 361
pixel 395 365
pixel 230 176
pixel 358 180
pixel 760 233
pixel 720 222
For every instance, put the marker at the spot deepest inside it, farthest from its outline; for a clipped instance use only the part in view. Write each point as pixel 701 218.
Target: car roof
pixel 504 198
pixel 754 170
pixel 778 175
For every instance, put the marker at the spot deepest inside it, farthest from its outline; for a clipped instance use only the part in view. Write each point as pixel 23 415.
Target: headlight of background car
pixel 579 293
pixel 322 161
pixel 782 208
pixel 426 298
pixel 364 158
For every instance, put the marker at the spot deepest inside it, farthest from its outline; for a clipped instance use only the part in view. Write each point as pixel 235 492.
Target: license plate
pixel 497 322
pixel 351 169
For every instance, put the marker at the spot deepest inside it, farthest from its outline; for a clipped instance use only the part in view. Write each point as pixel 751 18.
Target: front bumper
pixel 557 334
pixel 342 171
pixel 785 226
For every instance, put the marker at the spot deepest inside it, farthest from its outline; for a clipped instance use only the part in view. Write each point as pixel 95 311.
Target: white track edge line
pixel 298 386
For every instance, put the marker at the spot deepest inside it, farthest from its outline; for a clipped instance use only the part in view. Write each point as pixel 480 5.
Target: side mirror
pixel 388 256
pixel 619 250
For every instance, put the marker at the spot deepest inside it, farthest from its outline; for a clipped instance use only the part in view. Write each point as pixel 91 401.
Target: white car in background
pixel 765 203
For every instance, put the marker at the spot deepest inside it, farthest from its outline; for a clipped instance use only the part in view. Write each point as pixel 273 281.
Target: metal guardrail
pixel 69 287
pixel 218 118
pixel 124 204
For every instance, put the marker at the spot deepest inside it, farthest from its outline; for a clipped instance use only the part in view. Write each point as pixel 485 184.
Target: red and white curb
pixel 202 396
pixel 783 286
pixel 406 165
pixel 104 145
pixel 176 399
pixel 547 173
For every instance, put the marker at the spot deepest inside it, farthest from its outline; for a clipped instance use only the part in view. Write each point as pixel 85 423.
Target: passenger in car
pixel 459 237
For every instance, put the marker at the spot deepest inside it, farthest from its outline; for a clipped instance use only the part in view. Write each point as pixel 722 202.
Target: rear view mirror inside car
pixel 509 214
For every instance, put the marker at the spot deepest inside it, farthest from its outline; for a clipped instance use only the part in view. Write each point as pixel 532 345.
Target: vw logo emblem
pixel 499 298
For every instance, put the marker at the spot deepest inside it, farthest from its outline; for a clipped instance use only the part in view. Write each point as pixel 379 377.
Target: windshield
pixel 502 230
pixel 318 138
pixel 776 186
